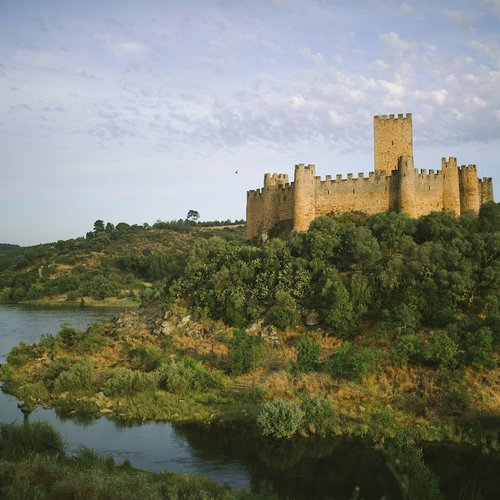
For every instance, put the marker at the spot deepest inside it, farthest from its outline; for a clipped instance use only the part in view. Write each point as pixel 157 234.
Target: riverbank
pixel 34 463
pixel 62 301
pixel 160 364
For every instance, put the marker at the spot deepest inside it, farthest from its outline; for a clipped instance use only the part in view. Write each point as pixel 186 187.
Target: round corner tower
pixel 304 197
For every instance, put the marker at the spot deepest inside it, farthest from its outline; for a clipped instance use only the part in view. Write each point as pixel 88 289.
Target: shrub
pixel 402 318
pixel 35 292
pixel 279 419
pixel 92 340
pixel 145 358
pixel 125 382
pixel 308 353
pixel 18 440
pixel 56 368
pixel 477 347
pixel 254 394
pixel 320 415
pixel 69 334
pixel 50 343
pixel 34 393
pixel 476 341
pixel 20 355
pixel 183 375
pixel 246 352
pixel 407 348
pixel 354 362
pixel 81 376
pixel 284 312
pixel 385 418
pixel 443 350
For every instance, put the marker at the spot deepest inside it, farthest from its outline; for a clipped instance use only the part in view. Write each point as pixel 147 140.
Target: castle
pixel 394 185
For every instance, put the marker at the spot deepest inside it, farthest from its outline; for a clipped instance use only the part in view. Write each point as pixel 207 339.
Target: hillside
pixel 362 325
pixel 111 266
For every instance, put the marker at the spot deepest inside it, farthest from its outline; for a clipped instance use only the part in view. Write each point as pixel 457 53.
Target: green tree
pixel 193 215
pixel 284 312
pixel 246 352
pixel 334 302
pixel 99 226
pixel 308 353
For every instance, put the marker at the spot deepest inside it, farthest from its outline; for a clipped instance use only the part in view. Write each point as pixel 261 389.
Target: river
pixel 299 469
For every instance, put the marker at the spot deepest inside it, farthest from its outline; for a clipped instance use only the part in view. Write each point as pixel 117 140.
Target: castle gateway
pixel 394 185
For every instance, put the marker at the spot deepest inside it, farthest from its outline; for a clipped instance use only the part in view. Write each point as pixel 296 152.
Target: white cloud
pixel 120 46
pixel 336 118
pixel 488 47
pixel 431 98
pixel 462 18
pixel 394 41
pixel 475 102
pixel 316 57
pixel 469 77
pixel 297 102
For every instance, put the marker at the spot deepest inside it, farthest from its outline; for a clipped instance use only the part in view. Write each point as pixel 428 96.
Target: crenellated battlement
pixel 430 174
pixel 468 169
pixel 394 184
pixel 349 178
pixel 400 116
pixel 276 177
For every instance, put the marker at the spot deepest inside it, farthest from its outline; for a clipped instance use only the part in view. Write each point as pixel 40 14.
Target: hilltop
pixel 110 266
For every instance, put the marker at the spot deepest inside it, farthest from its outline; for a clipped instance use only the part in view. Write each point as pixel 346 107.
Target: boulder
pixel 312 319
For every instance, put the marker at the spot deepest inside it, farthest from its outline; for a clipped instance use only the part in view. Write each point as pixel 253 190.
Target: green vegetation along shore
pixel 34 464
pixel 365 326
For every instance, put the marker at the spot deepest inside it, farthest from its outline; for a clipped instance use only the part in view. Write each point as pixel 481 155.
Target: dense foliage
pixel 352 268
pixel 110 262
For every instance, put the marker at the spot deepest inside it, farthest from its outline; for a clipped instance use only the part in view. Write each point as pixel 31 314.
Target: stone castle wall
pixel 394 185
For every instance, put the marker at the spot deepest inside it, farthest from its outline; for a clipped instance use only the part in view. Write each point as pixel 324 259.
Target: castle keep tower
pixel 393 137
pixel 394 185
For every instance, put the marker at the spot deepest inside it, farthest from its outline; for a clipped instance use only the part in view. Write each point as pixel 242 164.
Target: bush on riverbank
pixel 33 464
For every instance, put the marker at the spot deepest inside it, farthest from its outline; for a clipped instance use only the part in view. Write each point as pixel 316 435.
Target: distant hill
pixel 109 266
pixel 7 248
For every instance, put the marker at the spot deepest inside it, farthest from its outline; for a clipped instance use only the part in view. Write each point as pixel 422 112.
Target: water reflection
pixel 300 468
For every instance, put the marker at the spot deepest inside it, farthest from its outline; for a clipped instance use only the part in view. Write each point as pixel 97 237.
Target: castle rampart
pixel 394 185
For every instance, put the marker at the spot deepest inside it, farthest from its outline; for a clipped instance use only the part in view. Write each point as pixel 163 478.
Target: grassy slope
pixel 83 258
pixel 429 404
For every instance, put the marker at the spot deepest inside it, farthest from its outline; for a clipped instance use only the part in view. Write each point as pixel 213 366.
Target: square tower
pixel 393 137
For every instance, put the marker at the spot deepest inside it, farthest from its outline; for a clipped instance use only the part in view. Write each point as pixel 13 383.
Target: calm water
pixel 299 469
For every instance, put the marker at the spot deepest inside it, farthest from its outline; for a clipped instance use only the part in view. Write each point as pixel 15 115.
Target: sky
pixel 133 111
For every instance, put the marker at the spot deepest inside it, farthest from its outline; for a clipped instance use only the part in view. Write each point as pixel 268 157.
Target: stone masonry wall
pixel 395 185
pixel 392 138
